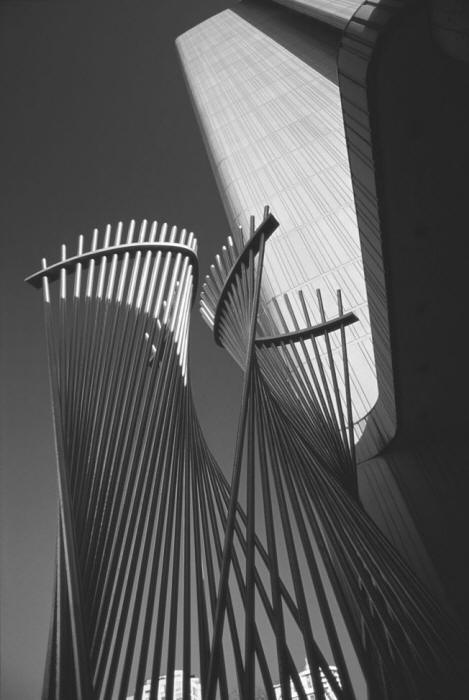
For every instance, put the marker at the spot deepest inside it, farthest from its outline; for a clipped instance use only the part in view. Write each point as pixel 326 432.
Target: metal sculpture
pixel 154 549
pixel 143 505
pixel 117 348
pixel 296 427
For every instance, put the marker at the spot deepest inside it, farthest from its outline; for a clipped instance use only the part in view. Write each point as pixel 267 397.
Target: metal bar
pixel 187 608
pixel 303 334
pixel 249 667
pixel 173 613
pixel 52 272
pixel 204 643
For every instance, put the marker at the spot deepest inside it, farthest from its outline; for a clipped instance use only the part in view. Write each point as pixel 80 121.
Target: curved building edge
pixel 404 98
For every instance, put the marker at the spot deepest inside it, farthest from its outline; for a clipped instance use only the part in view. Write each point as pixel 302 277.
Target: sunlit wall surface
pixel 273 129
pixel 334 12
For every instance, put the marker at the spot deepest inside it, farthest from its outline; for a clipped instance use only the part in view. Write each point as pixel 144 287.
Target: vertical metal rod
pixel 203 636
pixel 249 667
pixel 187 618
pixel 173 612
pixel 223 585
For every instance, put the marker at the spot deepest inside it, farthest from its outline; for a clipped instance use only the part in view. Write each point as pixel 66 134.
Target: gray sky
pixel 96 127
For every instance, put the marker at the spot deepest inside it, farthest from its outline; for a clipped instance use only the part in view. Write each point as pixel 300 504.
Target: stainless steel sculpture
pixel 154 549
pixel 117 334
pixel 143 504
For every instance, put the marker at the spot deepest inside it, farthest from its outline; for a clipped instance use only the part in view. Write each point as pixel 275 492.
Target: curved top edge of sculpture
pixel 52 272
pixel 212 308
pixel 266 229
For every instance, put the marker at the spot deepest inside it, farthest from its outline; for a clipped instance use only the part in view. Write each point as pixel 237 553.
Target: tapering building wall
pixel 264 87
